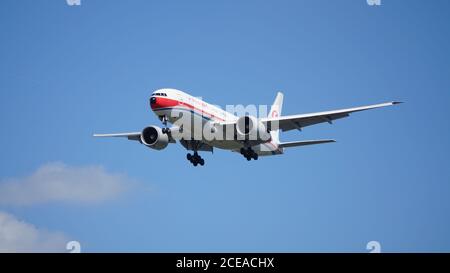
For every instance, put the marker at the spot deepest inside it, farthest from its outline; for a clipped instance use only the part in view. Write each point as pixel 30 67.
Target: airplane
pixel 194 121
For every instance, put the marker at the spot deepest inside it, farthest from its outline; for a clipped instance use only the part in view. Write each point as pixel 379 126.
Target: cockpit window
pixel 160 94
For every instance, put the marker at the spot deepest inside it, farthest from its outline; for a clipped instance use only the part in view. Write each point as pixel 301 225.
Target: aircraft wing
pixel 286 123
pixel 130 136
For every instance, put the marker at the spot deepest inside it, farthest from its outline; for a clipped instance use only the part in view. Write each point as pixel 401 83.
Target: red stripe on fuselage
pixel 162 102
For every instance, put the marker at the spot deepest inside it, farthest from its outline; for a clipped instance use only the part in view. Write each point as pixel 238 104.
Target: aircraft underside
pixel 195 124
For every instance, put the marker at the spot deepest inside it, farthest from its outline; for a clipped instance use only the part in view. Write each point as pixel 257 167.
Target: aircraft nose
pixel 153 102
pixel 157 102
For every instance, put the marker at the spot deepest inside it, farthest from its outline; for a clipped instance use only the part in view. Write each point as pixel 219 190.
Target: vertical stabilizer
pixel 275 111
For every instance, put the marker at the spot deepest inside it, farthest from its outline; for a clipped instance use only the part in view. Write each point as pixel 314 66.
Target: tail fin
pixel 275 111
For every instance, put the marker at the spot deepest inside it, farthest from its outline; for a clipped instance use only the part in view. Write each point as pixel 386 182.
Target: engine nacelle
pixel 250 128
pixel 154 138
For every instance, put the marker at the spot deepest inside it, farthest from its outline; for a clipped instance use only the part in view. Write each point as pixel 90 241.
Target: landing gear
pixel 249 154
pixel 164 120
pixel 195 159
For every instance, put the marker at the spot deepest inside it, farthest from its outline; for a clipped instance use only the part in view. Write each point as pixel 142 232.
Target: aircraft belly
pixel 225 144
pixel 197 121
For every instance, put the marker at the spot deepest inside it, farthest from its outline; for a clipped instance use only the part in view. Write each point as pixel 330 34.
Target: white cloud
pixel 19 236
pixel 57 182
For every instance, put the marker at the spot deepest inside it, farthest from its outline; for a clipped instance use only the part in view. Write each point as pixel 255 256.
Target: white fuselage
pixel 170 103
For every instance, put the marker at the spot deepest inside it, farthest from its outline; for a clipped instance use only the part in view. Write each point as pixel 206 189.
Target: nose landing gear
pixel 249 154
pixel 195 159
pixel 164 120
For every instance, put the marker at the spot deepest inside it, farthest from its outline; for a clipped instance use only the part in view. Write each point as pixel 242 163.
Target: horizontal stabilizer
pixel 304 143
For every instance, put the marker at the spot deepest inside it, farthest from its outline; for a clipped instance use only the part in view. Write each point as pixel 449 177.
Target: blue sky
pixel 67 72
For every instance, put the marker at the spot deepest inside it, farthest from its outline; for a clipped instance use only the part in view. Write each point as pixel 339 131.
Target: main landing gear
pixel 249 154
pixel 195 159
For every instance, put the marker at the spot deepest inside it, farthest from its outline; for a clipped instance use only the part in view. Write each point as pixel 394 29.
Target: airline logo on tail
pixel 274 113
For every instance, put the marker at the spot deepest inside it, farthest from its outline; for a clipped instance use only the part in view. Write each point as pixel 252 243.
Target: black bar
pixel 224 262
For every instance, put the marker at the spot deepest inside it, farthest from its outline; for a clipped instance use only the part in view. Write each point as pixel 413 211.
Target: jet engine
pixel 154 138
pixel 250 128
